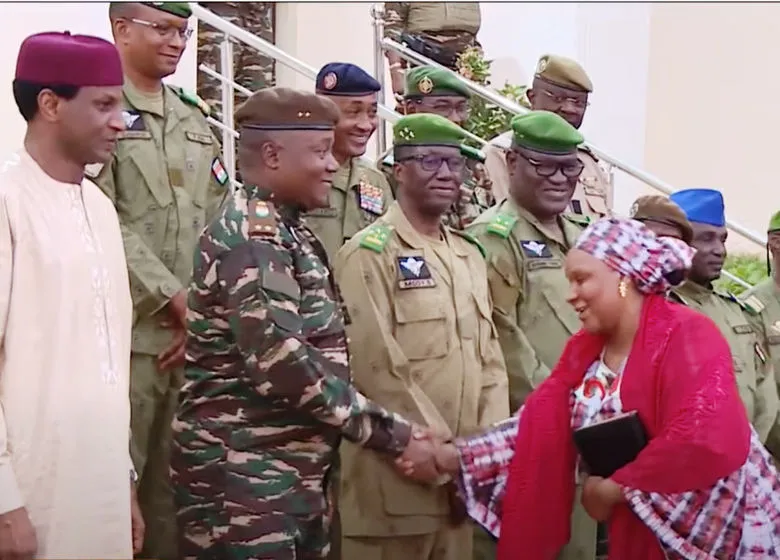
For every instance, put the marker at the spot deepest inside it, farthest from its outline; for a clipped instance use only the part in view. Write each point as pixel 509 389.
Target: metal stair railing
pixel 232 32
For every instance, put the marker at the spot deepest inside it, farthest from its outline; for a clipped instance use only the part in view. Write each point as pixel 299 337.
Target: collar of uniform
pixel 395 217
pixel 345 176
pixel 561 236
pixel 694 291
pixel 142 102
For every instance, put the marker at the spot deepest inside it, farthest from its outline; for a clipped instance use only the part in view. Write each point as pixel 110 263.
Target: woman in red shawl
pixel 703 487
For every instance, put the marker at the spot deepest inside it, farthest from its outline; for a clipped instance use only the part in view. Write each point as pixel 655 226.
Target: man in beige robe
pixel 66 479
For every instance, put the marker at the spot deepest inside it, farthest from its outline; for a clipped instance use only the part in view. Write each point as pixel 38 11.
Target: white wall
pixel 23 19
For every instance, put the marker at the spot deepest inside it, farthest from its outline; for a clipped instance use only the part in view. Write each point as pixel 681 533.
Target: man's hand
pixel 176 319
pixel 418 461
pixel 139 527
pixel 447 458
pixel 17 536
pixel 600 496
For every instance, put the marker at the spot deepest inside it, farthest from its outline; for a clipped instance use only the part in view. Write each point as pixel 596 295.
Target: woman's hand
pixel 599 496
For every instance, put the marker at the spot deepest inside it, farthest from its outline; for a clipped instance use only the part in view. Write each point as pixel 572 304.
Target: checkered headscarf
pixel 655 264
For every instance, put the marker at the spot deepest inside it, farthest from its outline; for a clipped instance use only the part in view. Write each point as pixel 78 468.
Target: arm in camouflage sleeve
pixel 262 295
pixel 152 284
pixel 379 365
pixel 396 18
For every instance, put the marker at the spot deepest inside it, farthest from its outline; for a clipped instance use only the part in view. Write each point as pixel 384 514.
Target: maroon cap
pixel 70 60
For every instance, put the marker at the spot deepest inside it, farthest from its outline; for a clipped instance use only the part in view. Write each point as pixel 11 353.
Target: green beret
pixel 181 9
pixel 774 222
pixel 564 72
pixel 280 108
pixel 424 129
pixel 427 80
pixel 544 131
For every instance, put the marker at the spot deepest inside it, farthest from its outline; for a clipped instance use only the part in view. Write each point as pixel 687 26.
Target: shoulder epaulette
pixel 388 159
pixel 588 151
pixel 677 298
pixel 471 239
pixel 502 224
pixel 753 304
pixel 728 296
pixel 193 99
pixel 578 219
pixel 376 237
pixel 262 218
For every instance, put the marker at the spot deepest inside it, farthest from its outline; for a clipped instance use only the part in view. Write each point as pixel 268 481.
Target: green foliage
pixel 486 120
pixel 750 267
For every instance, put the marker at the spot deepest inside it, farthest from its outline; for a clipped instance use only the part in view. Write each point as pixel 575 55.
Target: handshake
pixel 428 458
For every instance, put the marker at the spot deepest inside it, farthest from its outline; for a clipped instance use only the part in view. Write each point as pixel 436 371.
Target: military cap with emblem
pixel 425 129
pixel 702 206
pixel 55 58
pixel 428 80
pixel 563 72
pixel 345 79
pixel 280 108
pixel 546 132
pixel 181 9
pixel 657 208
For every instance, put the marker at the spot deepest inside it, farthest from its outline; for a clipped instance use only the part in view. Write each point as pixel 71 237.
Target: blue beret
pixel 703 206
pixel 343 78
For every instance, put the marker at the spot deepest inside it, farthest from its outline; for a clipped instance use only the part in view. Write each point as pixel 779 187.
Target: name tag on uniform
pixel 370 198
pixel 198 137
pixel 323 212
pixel 134 135
pixel 773 339
pixel 742 329
pixel 414 273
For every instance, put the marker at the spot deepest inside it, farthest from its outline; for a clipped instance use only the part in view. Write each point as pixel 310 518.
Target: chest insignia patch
pixel 414 273
pixel 370 198
pixel 536 249
pixel 218 170
pixel 133 120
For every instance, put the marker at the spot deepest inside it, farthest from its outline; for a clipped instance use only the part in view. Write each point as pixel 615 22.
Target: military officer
pixel 423 345
pixel 560 85
pixel 527 237
pixel 360 193
pixel 704 208
pixel 662 216
pixel 764 301
pixel 435 91
pixel 166 181
pixel 268 394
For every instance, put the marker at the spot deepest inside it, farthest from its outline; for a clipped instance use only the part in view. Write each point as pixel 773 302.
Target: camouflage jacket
pixel 267 360
pixel 476 191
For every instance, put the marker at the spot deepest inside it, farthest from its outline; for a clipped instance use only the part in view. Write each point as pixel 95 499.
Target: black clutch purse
pixel 609 445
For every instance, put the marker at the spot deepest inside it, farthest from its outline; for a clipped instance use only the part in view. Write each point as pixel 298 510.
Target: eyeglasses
pixel 548 169
pixel 578 102
pixel 165 30
pixel 433 163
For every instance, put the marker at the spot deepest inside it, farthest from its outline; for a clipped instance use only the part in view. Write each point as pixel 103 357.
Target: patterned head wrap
pixel 655 264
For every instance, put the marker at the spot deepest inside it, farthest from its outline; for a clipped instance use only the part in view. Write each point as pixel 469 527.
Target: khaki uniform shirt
pixel 752 366
pixel 422 344
pixel 529 288
pixel 764 302
pixel 593 196
pixel 166 181
pixel 360 194
pixel 432 18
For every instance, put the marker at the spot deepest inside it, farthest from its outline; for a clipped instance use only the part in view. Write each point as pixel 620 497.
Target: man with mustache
pixel 562 86
pixel 435 91
pixel 166 180
pixel 423 345
pixel 66 478
pixel 527 236
pixel 753 368
pixel 360 193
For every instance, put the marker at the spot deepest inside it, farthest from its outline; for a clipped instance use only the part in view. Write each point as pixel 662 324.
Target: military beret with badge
pixel 657 208
pixel 563 72
pixel 280 108
pixel 345 79
pixel 430 81
pixel 703 206
pixel 544 131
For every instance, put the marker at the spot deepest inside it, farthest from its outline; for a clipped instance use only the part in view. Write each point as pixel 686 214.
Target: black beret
pixel 280 108
pixel 343 78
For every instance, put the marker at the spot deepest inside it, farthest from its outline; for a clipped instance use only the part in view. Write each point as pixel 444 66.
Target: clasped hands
pixel 427 457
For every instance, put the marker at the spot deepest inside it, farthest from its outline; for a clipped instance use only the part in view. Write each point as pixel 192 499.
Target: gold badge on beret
pixel 425 85
pixel 329 81
pixel 542 66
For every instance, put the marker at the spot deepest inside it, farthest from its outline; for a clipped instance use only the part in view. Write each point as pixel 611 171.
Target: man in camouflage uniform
pixel 423 344
pixel 251 68
pixel 438 30
pixel 560 85
pixel 166 181
pixel 526 237
pixel 435 91
pixel 360 193
pixel 268 394
pixel 764 300
pixel 753 368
